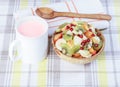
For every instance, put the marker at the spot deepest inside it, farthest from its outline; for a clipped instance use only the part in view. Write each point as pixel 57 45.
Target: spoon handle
pixel 77 15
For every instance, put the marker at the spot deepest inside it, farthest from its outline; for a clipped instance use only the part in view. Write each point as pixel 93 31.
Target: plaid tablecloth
pixel 54 72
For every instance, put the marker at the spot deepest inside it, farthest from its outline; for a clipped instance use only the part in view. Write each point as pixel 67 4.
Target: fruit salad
pixel 77 39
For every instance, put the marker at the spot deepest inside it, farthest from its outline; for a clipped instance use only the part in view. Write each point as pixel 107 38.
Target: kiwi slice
pixel 67 37
pixel 79 28
pixel 70 50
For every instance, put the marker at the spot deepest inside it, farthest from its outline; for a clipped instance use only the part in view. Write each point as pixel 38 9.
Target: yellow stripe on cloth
pixel 102 77
pixel 16 74
pixel 42 75
pixel 23 4
pixel 44 2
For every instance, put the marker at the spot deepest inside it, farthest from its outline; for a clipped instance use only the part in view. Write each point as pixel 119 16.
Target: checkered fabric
pixel 53 71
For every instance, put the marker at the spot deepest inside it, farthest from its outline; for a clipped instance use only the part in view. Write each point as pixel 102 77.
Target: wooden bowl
pixel 79 60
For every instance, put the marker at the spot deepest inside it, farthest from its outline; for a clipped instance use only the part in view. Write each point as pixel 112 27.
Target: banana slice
pixel 80 32
pixel 69 32
pixel 77 40
pixel 96 39
pixel 58 43
pixel 84 37
pixel 84 53
pixel 75 32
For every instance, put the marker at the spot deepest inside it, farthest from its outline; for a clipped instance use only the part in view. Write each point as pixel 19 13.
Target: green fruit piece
pixel 67 37
pixel 65 47
pixel 73 50
pixel 79 28
pixel 63 25
pixel 98 47
pixel 64 32
pixel 58 30
pixel 70 51
pixel 80 22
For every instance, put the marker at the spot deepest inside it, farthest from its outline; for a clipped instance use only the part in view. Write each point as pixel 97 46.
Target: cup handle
pixel 14 49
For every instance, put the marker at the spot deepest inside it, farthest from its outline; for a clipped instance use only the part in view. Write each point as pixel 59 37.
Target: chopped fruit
pixel 88 34
pixel 69 32
pixel 72 25
pixel 80 32
pixel 77 40
pixel 67 37
pixel 80 22
pixel 85 53
pixel 64 32
pixel 71 29
pixel 58 30
pixel 67 27
pixel 59 42
pixel 80 35
pixel 88 40
pixel 70 51
pixel 96 45
pixel 90 30
pixel 92 51
pixel 96 39
pixel 63 29
pixel 75 48
pixel 98 34
pixel 70 43
pixel 74 22
pixel 81 48
pixel 83 43
pixel 64 51
pixel 93 35
pixel 75 32
pixel 85 26
pixel 76 55
pixel 84 37
pixel 57 36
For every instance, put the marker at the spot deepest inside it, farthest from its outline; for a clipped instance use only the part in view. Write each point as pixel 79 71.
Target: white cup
pixel 29 49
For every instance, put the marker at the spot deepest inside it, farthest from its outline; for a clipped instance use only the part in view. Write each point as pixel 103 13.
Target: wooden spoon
pixel 48 13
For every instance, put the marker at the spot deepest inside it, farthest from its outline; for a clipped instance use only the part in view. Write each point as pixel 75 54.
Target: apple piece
pixel 92 51
pixel 84 53
pixel 85 26
pixel 88 34
pixel 69 32
pixel 57 36
pixel 59 42
pixel 96 39
pixel 77 40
